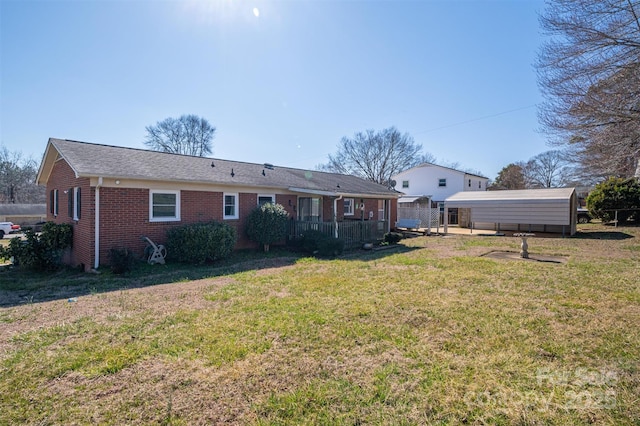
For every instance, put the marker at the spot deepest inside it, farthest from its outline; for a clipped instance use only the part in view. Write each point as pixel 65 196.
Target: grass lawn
pixel 435 333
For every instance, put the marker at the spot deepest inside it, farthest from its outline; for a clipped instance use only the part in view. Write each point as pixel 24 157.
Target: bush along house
pixel 114 196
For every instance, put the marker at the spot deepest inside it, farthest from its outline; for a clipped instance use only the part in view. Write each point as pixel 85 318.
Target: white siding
pixel 475 183
pixel 424 180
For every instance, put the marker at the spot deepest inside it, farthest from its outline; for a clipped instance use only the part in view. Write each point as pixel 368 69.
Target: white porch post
pixel 429 216
pixel 446 218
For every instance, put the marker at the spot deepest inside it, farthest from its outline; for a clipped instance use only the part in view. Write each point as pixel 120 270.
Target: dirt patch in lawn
pixel 159 300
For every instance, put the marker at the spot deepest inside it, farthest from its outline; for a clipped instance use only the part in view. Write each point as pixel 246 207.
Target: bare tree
pixel 590 76
pixel 550 169
pixel 426 157
pixel 188 135
pixel 376 156
pixel 17 179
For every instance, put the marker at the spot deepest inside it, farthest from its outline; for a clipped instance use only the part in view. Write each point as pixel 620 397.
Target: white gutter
pixel 96 262
pixel 314 192
pixel 335 214
pixel 342 194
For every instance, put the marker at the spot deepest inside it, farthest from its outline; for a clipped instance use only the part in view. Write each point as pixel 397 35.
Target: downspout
pixel 335 215
pixel 96 262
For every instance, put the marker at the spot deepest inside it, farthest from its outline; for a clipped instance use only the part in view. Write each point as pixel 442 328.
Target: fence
pixel 421 211
pixel 619 216
pixel 353 233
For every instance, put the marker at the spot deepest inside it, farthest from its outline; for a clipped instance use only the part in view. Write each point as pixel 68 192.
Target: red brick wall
pixel 120 206
pixel 124 215
pixel 394 212
pixel 327 209
pixel 290 204
pixel 247 203
pixel 124 220
pixel 63 179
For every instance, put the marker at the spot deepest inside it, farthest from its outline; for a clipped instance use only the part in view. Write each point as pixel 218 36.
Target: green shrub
pixel 40 252
pixel 267 224
pixel 121 260
pixel 615 194
pixel 330 247
pixel 392 237
pixel 310 240
pixel 316 242
pixel 201 242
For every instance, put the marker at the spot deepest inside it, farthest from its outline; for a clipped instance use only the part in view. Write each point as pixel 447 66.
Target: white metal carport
pixel 531 210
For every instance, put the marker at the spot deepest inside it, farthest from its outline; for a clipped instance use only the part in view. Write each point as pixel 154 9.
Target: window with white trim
pixel 164 205
pixel 230 206
pixel 442 182
pixel 348 206
pixel 76 203
pixel 53 202
pixel 405 183
pixel 264 199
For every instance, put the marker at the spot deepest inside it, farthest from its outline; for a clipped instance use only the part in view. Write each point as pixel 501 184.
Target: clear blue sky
pixel 283 81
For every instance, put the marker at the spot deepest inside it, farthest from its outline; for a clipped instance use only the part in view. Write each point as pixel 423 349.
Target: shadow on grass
pixel 19 287
pixel 603 235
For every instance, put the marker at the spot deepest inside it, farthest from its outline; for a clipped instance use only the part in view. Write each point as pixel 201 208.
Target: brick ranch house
pixel 113 196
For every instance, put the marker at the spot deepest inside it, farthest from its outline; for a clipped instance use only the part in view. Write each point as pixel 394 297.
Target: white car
pixel 7 228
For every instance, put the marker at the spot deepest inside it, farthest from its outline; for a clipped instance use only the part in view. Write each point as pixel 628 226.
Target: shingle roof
pixel 94 160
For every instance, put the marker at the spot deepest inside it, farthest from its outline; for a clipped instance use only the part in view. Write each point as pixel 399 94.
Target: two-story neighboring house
pixel 428 185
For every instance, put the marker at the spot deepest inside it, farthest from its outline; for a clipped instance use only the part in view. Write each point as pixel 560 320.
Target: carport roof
pixel 466 198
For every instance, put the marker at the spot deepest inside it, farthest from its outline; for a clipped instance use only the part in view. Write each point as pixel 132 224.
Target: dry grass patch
pixel 437 335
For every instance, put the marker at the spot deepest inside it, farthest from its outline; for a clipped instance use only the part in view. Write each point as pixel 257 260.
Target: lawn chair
pixel 155 253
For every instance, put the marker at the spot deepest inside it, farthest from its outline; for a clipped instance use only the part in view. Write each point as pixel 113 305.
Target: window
pixel 230 206
pixel 164 206
pixel 69 193
pixel 480 184
pixel 76 203
pixel 442 182
pixel 264 199
pixel 309 209
pixel 348 206
pixel 405 183
pixel 53 202
pixel 469 183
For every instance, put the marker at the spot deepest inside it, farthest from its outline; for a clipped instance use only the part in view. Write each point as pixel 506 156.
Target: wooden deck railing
pixel 354 233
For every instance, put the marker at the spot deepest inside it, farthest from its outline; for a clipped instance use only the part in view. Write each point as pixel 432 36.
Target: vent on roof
pixel 268 166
